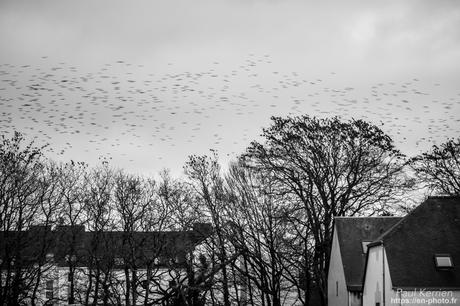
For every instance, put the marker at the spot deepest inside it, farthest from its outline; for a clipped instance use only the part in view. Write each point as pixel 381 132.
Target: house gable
pixel 351 233
pixel 336 285
pixel 377 286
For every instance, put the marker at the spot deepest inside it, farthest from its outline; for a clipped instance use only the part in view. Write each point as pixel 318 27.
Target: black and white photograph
pixel 229 152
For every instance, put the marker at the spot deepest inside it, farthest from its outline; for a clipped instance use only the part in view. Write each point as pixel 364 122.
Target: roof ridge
pixel 433 227
pixel 370 217
pixel 389 230
pixel 397 224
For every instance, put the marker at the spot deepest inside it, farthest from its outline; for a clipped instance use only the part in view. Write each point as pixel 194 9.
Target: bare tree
pixel 98 205
pixel 70 223
pixel 258 230
pixel 139 211
pixel 205 176
pixel 27 199
pixel 44 239
pixel 330 168
pixel 439 168
pixel 184 214
pixel 181 202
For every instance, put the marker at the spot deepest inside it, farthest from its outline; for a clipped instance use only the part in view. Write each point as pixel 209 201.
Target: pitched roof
pixel 411 244
pixel 38 241
pixel 351 231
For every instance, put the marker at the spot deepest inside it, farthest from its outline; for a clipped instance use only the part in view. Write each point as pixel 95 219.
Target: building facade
pixel 67 265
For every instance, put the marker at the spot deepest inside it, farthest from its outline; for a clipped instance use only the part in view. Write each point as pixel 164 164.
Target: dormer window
pixel 443 261
pixel 364 246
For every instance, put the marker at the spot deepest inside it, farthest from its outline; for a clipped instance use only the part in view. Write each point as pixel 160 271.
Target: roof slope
pixel 32 245
pixel 432 228
pixel 351 232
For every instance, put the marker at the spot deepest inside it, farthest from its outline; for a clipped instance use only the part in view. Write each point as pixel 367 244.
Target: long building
pixel 67 265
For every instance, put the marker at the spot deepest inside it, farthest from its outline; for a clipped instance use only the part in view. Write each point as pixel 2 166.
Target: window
pixel 71 258
pixel 443 261
pixel 364 246
pixel 49 289
pixel 336 288
pixel 119 261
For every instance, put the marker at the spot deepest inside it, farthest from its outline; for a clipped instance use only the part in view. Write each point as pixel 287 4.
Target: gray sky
pixel 147 83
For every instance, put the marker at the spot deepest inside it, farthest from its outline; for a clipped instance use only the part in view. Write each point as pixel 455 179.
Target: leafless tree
pixel 258 230
pixel 70 223
pixel 140 210
pixel 98 204
pixel 271 216
pixel 27 203
pixel 205 176
pixel 439 168
pixel 330 168
pixel 184 214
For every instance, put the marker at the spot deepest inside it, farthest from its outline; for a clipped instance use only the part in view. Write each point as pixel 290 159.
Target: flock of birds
pixel 120 109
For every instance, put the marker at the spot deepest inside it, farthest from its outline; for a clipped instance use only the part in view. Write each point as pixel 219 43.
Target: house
pixel 351 235
pixel 417 260
pixel 68 265
pixel 413 260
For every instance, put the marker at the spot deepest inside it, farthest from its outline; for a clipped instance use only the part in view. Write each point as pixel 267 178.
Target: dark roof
pixel 38 241
pixel 432 228
pixel 351 231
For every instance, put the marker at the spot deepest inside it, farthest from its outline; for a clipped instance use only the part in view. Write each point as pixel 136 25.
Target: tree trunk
pixel 128 286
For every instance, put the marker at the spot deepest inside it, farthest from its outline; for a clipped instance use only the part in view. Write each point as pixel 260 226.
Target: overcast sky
pixel 147 83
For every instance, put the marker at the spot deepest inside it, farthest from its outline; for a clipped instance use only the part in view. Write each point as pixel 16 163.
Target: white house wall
pixel 59 275
pixel 336 286
pixel 377 282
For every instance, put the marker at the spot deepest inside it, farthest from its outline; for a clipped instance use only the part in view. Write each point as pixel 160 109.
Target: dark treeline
pixel 271 214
